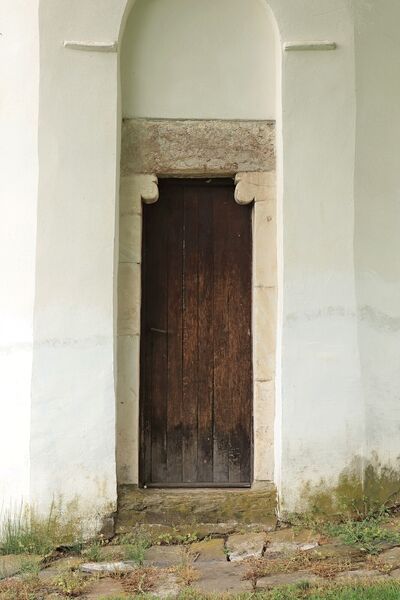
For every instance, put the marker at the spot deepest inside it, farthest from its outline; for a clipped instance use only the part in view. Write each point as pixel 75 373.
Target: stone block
pixel 264 333
pixel 245 546
pixel 130 238
pixel 129 297
pixel 128 353
pixel 264 244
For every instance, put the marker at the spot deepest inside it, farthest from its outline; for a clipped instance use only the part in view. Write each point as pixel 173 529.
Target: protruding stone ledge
pixel 194 507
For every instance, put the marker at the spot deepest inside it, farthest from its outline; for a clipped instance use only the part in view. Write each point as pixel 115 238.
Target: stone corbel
pixel 135 190
pixel 253 186
pixel 147 187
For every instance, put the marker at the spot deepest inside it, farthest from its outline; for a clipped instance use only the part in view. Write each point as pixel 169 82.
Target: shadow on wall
pixel 365 486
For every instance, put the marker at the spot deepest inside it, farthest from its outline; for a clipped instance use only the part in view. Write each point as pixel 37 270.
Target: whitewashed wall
pixel 73 398
pixel 19 84
pixel 199 60
pixel 339 268
pixel 377 210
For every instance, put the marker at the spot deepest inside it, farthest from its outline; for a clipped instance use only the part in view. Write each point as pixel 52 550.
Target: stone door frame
pixel 257 186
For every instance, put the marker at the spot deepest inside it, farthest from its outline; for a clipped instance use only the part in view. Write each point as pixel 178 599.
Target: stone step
pixel 222 508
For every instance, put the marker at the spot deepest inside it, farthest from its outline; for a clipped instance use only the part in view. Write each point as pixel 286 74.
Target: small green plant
pixel 367 534
pixel 135 546
pixel 92 552
pixel 30 566
pixel 176 538
pixel 26 532
pixel 71 583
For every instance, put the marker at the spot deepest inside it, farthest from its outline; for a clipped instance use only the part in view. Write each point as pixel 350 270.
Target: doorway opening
pixel 196 379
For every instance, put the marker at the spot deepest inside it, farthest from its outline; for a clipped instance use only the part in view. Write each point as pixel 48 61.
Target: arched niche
pixel 228 96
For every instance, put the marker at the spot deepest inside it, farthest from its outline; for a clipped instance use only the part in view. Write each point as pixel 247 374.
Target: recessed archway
pixel 257 184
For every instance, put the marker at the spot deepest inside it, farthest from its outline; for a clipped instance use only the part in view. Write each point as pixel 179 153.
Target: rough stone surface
pixel 105 588
pixel 108 567
pixel 108 528
pixel 167 586
pixel 337 551
pixel 196 507
pixel 190 147
pixel 63 564
pixel 288 579
pixel 209 551
pixel 226 577
pixel 163 556
pixel 360 574
pixel 391 557
pixel 12 564
pixel 277 548
pixel 243 546
pixel 395 574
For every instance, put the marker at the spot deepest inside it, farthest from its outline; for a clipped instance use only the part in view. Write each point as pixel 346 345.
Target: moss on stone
pixel 191 508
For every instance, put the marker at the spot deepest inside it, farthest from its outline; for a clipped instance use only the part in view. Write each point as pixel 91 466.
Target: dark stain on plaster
pixel 362 488
pixel 374 317
pixel 379 320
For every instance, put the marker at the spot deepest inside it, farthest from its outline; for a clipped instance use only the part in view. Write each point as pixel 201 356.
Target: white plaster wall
pixel 199 60
pixel 73 398
pixel 19 77
pixel 377 203
pixel 320 407
pixel 320 411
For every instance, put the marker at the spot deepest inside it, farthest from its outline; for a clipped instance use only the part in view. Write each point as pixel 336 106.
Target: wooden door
pixel 196 350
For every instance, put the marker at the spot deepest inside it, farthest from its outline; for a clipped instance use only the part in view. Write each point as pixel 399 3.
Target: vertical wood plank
pixel 240 367
pixel 221 430
pixel 145 366
pixel 174 200
pixel 190 335
pixel 205 335
pixel 157 319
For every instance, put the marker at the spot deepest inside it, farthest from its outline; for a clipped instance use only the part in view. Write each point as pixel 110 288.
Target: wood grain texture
pixel 196 376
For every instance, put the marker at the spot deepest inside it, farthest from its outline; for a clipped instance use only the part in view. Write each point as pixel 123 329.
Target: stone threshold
pixel 220 508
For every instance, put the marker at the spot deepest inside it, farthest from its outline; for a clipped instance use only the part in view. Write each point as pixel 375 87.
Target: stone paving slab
pixel 94 568
pixel 12 564
pixel 209 551
pixel 104 588
pixel 244 546
pixel 163 556
pixel 391 557
pixel 221 578
pixel 358 574
pixel 288 579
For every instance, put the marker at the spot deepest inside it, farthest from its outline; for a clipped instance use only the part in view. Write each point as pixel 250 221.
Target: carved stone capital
pixel 254 186
pixel 147 187
pixel 136 189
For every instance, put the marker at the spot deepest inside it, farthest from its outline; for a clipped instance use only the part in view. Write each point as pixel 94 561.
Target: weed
pixel 28 533
pixel 93 552
pixel 135 546
pixel 140 580
pixel 376 563
pixel 71 583
pixel 367 534
pixel 185 571
pixel 18 589
pixel 30 566
pixel 168 539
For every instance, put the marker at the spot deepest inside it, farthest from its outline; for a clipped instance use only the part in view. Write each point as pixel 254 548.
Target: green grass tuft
pixel 25 532
pixel 368 534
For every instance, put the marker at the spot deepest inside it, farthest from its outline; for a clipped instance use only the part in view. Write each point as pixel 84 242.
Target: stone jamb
pixel 256 187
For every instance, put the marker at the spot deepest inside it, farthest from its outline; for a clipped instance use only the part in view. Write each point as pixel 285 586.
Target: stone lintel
pixel 196 148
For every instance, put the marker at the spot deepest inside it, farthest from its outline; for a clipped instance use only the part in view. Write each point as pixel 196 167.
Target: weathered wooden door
pixel 196 356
